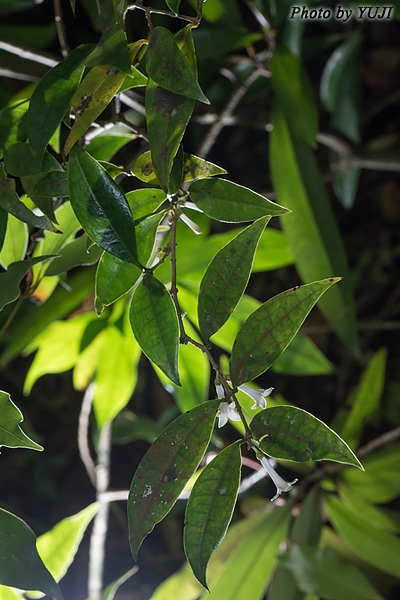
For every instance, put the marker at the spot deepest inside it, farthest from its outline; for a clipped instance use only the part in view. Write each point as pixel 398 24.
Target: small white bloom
pixel 227 411
pixel 281 484
pixel 193 226
pixel 257 395
pixel 220 391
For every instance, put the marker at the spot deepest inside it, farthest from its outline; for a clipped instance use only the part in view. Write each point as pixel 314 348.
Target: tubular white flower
pixel 257 395
pixel 226 411
pixel 281 484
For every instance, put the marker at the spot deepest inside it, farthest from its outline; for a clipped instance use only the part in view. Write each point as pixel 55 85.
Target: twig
pixel 382 440
pixel 100 524
pixel 28 55
pixel 226 114
pixel 169 13
pixel 83 431
pixel 62 37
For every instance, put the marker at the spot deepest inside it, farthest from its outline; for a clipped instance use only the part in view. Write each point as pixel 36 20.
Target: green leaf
pixel 20 161
pixel 111 50
pixel 231 203
pixel 10 280
pixel 145 201
pixel 107 143
pixel 377 547
pixel 154 324
pixel 303 357
pixel 167 115
pixel 20 563
pixel 47 185
pixel 9 593
pixel 248 570
pixel 112 589
pixel 294 95
pixel 269 330
pixel 135 79
pixel 173 5
pixel 51 97
pixel 210 508
pixel 15 242
pixel 227 277
pixel 101 206
pixel 58 547
pixel 11 434
pixel 321 572
pixel 165 469
pixel 197 168
pixel 384 518
pixel 116 374
pixel 79 252
pixel 291 433
pixel 13 124
pixel 346 186
pixel 366 398
pixel 114 278
pixel 334 69
pixel 307 526
pixel 93 95
pixel 311 230
pixel 168 67
pixel 10 202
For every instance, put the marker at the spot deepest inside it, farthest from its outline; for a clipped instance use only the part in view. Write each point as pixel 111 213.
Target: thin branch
pixel 169 13
pixel 16 75
pixel 379 442
pixel 83 434
pixel 62 36
pixel 28 55
pixel 226 114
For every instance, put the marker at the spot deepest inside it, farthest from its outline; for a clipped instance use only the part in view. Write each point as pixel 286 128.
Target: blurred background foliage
pixel 320 83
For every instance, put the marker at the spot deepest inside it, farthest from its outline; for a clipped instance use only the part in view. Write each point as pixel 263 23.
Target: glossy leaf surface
pixel 20 563
pixel 291 433
pixel 267 331
pixel 11 434
pixel 114 278
pixel 168 67
pixel 111 50
pixel 231 203
pixel 311 230
pixel 227 277
pixel 321 572
pixel 165 469
pixel 51 98
pixel 10 280
pixel 93 95
pixel 210 508
pixel 167 116
pixel 101 207
pixel 154 324
pixel 377 547
pixel 145 201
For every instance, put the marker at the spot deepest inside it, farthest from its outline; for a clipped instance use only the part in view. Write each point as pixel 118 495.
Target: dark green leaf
pixel 231 203
pixel 3 225
pixel 173 5
pixel 334 69
pixel 154 324
pixel 145 201
pixel 267 332
pixel 77 253
pixel 346 186
pixel 13 124
pixel 321 572
pixel 93 95
pixel 112 50
pixel 50 185
pixel 10 280
pixel 291 433
pixel 227 277
pixel 101 207
pixel 165 469
pixel 114 278
pixel 308 524
pixel 168 67
pixel 20 563
pixel 210 508
pixel 311 230
pixel 294 95
pixel 11 434
pixel 167 116
pixel 10 202
pixel 20 160
pixel 377 547
pixel 51 97
pixel 109 141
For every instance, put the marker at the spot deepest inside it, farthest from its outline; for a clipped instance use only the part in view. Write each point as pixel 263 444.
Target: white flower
pixel 281 484
pixel 257 395
pixel 226 411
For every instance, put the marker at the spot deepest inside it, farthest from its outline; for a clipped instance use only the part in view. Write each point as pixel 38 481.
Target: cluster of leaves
pixel 73 213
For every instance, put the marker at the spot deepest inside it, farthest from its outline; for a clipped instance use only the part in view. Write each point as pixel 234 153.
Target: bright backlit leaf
pixel 15 242
pixel 165 469
pixel 269 330
pixel 210 508
pixel 291 433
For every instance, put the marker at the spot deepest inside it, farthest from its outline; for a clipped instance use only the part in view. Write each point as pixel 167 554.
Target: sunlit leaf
pixel 15 242
pixel 111 50
pixel 154 324
pixel 13 124
pixel 135 79
pixel 101 206
pixel 145 201
pixel 107 143
pixel 165 469
pixel 168 67
pixel 291 433
pixel 112 589
pixel 11 434
pixel 267 331
pixel 210 508
pixel 231 203
pixel 79 252
pixel 20 563
pixel 10 280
